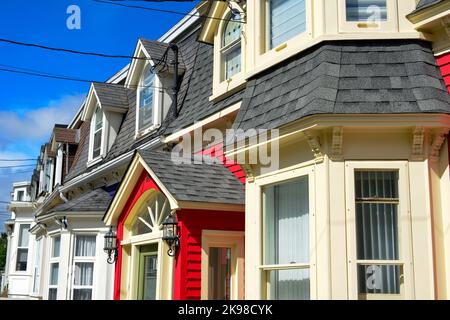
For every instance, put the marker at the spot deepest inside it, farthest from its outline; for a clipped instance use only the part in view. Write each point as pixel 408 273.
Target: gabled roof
pixel 65 135
pixel 354 77
pixel 94 201
pixel 156 51
pixel 112 96
pixel 207 181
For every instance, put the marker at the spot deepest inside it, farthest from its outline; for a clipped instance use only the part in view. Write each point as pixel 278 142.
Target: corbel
pixel 446 24
pixel 249 172
pixel 418 144
pixel 337 143
pixel 436 145
pixel 314 144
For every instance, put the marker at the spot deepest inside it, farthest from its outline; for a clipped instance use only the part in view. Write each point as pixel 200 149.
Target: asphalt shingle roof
pixel 204 182
pixel 346 77
pixel 112 96
pixel 94 201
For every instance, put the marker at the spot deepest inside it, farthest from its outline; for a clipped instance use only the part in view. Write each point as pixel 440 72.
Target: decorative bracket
pixel 337 144
pixel 436 145
pixel 249 172
pixel 418 144
pixel 314 144
pixel 446 24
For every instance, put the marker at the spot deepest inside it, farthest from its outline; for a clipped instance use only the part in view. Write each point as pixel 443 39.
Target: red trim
pixel 144 183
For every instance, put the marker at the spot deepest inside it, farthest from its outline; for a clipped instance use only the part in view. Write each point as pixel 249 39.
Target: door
pixel 148 261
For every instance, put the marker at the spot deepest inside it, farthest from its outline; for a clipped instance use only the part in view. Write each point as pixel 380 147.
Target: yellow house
pixel 347 191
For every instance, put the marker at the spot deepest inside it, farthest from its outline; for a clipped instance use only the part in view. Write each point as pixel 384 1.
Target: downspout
pixel 175 63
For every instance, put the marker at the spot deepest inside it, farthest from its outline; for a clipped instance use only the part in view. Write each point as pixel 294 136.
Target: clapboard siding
pixel 444 63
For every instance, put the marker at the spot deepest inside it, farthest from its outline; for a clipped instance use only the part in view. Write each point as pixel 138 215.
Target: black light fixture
pixel 110 247
pixel 170 234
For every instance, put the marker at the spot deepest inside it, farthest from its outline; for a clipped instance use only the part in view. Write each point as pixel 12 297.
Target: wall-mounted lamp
pixel 170 234
pixel 110 247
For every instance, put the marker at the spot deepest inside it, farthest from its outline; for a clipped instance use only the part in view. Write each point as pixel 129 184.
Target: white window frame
pixel 37 266
pixel 391 24
pixel 91 159
pixel 19 247
pixel 54 260
pixel 277 179
pixel 224 239
pixel 82 259
pixel 158 99
pixel 404 228
pixel 224 50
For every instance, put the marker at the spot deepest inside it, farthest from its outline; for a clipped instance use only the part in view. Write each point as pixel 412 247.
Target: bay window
pixel 37 267
pixel 83 266
pixel 286 241
pixel 22 248
pixel 231 49
pixel 55 252
pixel 286 19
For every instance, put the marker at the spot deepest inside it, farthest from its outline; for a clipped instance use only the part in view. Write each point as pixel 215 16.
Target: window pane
pixel 56 246
pixel 289 284
pixel 20 196
pixel 22 257
pixel 145 108
pixel 219 281
pixel 366 10
pixel 82 294
pixel 23 235
pixel 84 272
pixel 378 279
pixel 149 274
pixel 233 62
pixel 98 119
pixel 287 20
pixel 287 222
pixel 232 30
pixel 376 184
pixel 37 267
pixel 85 246
pixel 54 272
pixel 52 293
pixel 97 144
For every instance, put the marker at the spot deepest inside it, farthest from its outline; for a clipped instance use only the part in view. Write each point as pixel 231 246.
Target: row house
pixel 268 149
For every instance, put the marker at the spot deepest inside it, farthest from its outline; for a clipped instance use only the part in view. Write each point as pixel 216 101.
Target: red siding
pixel 217 152
pixel 444 63
pixel 143 184
pixel 187 278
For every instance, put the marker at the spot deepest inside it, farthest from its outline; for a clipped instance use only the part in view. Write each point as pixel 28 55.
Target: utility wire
pixel 18 160
pixel 117 3
pixel 22 165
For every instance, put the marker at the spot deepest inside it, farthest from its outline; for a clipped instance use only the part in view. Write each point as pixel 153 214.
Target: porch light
pixel 170 234
pixel 110 247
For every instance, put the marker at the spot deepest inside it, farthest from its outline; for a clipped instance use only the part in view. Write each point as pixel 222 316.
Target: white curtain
pixel 84 272
pixel 287 20
pixel 366 10
pixel 287 237
pixel 85 246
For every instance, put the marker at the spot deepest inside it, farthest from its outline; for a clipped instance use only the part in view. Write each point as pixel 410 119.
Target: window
pixel 37 267
pixel 222 265
pixel 377 239
pixel 148 268
pixel 22 248
pixel 53 283
pixel 56 246
pixel 146 96
pixel 231 49
pixel 97 133
pixel 287 239
pixel 152 214
pixel 366 10
pixel 83 263
pixel 20 195
pixel 287 19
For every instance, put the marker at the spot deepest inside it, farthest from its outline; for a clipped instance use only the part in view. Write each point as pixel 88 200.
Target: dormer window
pixel 146 97
pixel 231 46
pixel 369 15
pixel 98 130
pixel 287 19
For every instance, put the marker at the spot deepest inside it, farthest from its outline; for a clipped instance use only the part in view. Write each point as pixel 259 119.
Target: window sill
pixel 228 87
pixel 92 162
pixel 144 133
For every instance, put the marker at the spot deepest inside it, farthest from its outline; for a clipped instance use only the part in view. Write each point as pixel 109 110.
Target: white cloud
pixel 36 124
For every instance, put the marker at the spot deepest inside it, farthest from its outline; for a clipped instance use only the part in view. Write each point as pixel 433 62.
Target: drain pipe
pixel 175 64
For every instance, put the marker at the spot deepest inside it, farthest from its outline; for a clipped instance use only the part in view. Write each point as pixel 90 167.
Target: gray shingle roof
pixel 93 201
pixel 426 3
pixel 204 182
pixel 354 77
pixel 112 96
pixel 157 49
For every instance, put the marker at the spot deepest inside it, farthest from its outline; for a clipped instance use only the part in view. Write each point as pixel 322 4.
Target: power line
pixel 18 160
pixel 18 166
pixel 116 3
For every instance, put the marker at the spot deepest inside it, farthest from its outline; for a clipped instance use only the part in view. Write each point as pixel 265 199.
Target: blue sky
pixel 30 106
